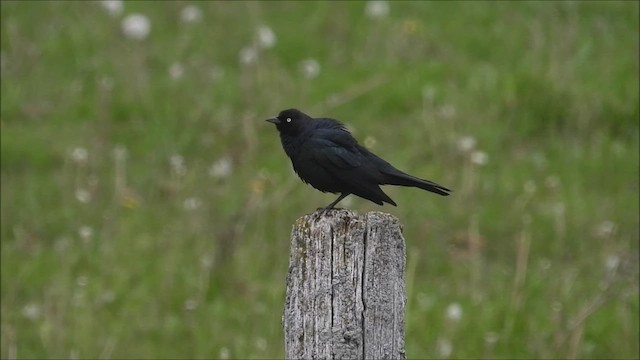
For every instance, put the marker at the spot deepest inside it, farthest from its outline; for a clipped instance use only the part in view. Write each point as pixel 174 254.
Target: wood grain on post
pixel 345 288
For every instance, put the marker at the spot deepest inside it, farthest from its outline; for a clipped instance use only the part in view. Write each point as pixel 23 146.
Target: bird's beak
pixel 274 120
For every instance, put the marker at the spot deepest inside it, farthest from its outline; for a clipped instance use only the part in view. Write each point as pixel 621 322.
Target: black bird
pixel 325 155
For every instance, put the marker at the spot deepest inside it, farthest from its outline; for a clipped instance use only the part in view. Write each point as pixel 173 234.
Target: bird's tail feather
pixel 402 179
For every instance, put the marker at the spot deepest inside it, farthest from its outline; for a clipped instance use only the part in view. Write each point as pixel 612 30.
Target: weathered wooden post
pixel 345 288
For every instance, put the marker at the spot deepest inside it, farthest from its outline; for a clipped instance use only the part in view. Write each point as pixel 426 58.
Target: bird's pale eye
pixel 288 120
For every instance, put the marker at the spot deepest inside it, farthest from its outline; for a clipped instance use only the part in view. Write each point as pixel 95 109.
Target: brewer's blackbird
pixel 325 155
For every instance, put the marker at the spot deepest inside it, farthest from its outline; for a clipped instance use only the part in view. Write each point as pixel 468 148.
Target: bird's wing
pixel 336 147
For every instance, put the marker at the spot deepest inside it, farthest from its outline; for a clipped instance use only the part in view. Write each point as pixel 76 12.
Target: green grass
pixel 538 247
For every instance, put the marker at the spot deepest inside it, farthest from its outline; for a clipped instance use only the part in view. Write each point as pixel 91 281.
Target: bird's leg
pixel 330 206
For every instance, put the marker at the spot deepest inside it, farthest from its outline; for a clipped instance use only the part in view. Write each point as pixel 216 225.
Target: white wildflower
pixel 248 55
pixel 79 155
pixel 266 37
pixel 192 203
pixel 611 262
pixel 31 311
pixel 479 158
pixel 85 232
pixel 377 9
pixel 136 26
pixel 444 348
pixel 177 164
pixel 224 353
pixel 221 168
pixel 191 14
pixel 310 68
pixel 466 143
pixel 176 70
pixel 454 312
pixel 83 196
pixel 113 7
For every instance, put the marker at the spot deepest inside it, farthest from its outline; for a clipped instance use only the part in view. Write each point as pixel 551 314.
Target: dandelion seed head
pixel 85 232
pixel 177 164
pixel 444 347
pixel 466 143
pixel 190 14
pixel 310 68
pixel 31 311
pixel 611 262
pixel 454 312
pixel 266 37
pixel 221 168
pixel 113 7
pixel 192 203
pixel 176 71
pixel 136 26
pixel 83 196
pixel 479 158
pixel 248 55
pixel 224 353
pixel 79 155
pixel 376 9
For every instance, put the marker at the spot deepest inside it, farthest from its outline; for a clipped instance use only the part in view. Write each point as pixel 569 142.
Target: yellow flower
pixel 409 26
pixel 129 201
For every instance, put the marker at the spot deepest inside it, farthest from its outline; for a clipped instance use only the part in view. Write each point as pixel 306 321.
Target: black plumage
pixel 325 155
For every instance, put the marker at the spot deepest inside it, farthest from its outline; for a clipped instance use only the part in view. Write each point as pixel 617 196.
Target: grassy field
pixel 146 205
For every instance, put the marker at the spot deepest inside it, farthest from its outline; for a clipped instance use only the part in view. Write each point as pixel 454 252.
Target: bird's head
pixel 291 121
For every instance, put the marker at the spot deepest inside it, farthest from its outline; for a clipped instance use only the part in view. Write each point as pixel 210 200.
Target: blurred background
pixel 147 207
